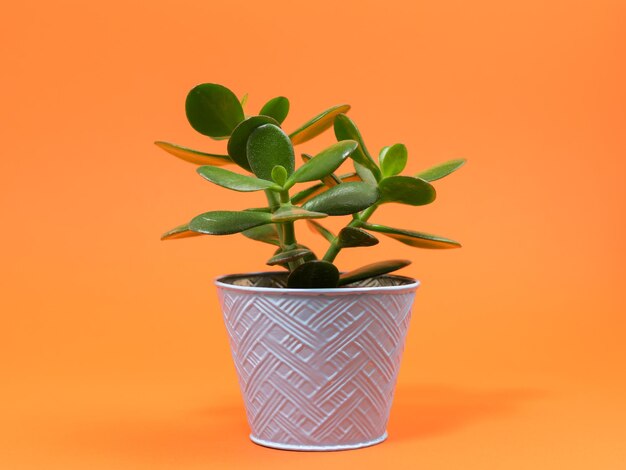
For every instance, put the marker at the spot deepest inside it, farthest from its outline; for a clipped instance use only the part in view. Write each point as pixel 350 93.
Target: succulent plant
pixel 258 145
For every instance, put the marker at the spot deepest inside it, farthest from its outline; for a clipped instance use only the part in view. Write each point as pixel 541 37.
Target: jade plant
pixel 258 145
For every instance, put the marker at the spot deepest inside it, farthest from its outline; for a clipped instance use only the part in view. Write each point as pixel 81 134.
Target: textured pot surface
pixel 317 367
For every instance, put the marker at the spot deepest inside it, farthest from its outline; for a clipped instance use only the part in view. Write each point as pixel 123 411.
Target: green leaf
pixel 317 125
pixel 319 188
pixel 291 213
pixel 279 175
pixel 244 100
pixel 182 231
pixel 259 209
pixel 288 256
pixel 406 190
pixel 314 275
pixel 365 175
pixel 263 233
pixel 235 181
pixel 412 238
pixel 393 160
pixel 344 199
pixel 372 270
pixel 324 163
pixel 319 228
pixel 354 237
pixel 309 256
pixel 213 110
pixel 227 222
pixel 278 108
pixel 439 171
pixel 345 129
pixel 381 154
pixel 308 193
pixel 194 156
pixel 267 147
pixel 329 180
pixel 238 142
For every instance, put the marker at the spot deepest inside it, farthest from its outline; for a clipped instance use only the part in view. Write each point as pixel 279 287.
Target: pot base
pixel 314 448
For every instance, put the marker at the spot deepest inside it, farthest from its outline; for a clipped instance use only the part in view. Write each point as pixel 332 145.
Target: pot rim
pixel 412 285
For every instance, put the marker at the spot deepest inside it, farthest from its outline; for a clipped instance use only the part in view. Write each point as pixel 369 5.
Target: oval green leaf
pixel 259 209
pixel 320 229
pixel 412 238
pixel 318 124
pixel 308 193
pixel 227 222
pixel 279 175
pixel 263 233
pixel 213 110
pixel 345 129
pixel 182 231
pixel 231 180
pixel 310 256
pixel 324 163
pixel 277 108
pixel 344 199
pixel 194 156
pixel 314 275
pixel 372 270
pixel 353 237
pixel 238 142
pixel 288 256
pixel 439 171
pixel 381 154
pixel 365 175
pixel 393 160
pixel 329 180
pixel 314 190
pixel 291 213
pixel 267 147
pixel 406 190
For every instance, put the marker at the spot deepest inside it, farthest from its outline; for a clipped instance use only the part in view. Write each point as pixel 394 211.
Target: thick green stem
pixel 272 199
pixel 274 203
pixel 289 234
pixel 288 229
pixel 367 213
pixel 335 248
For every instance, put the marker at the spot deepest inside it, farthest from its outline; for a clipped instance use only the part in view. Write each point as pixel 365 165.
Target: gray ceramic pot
pixel 317 367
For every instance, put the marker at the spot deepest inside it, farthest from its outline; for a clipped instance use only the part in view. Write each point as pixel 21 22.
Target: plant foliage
pixel 259 146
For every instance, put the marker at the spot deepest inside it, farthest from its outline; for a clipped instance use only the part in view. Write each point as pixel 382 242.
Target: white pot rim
pixel 411 285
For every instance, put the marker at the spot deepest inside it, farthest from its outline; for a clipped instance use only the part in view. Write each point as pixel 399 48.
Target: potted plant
pixel 316 350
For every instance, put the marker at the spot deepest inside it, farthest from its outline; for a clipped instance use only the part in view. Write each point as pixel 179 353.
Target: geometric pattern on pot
pixel 317 371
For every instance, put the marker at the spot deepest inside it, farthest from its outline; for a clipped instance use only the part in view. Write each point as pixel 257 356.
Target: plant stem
pixel 272 199
pixel 360 219
pixel 288 229
pixel 289 234
pixel 274 204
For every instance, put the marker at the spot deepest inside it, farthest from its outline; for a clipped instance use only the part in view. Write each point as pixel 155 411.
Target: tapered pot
pixel 317 367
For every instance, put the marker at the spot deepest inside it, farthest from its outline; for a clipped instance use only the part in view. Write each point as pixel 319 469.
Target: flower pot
pixel 317 367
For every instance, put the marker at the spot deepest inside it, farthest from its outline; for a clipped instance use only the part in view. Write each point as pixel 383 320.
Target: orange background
pixel 113 352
